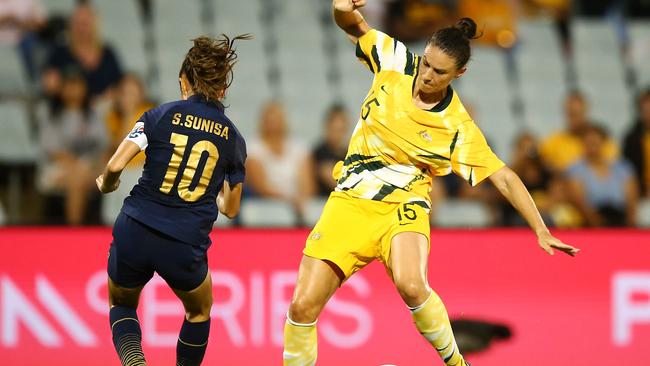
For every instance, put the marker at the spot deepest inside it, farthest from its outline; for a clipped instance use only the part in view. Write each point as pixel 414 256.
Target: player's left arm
pixel 134 142
pixel 229 199
pixel 514 190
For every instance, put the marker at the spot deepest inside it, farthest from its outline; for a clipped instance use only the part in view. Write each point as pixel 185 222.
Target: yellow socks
pixel 300 344
pixel 432 321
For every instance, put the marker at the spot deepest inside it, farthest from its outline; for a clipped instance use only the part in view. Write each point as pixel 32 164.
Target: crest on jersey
pixel 315 236
pixel 424 135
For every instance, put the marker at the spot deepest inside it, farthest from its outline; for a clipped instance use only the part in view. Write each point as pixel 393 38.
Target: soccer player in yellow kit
pixel 412 127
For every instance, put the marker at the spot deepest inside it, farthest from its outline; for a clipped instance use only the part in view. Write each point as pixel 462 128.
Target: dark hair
pixel 334 109
pixel 208 64
pixel 577 94
pixel 598 130
pixel 71 75
pixel 454 41
pixel 643 95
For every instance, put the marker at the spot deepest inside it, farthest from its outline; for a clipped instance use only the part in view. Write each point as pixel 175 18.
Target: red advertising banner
pixel 590 310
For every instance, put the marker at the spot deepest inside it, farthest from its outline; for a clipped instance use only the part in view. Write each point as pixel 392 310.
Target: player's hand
pixel 548 242
pixel 103 188
pixel 347 6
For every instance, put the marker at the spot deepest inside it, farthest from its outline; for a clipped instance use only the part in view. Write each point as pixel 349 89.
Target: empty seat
pixel 112 202
pixel 17 144
pixel 60 6
pixel 461 213
pixel 223 222
pixel 3 216
pixel 313 210
pixel 127 39
pixel 13 78
pixel 640 34
pixel 266 213
pixel 644 213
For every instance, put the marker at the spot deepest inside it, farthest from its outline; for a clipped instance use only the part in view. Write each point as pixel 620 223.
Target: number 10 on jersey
pixel 180 147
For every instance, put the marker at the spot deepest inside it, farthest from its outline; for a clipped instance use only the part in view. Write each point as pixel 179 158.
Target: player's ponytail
pixel 209 63
pixel 454 40
pixel 467 26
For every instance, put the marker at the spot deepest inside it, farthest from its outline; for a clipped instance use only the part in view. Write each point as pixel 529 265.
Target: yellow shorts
pixel 352 232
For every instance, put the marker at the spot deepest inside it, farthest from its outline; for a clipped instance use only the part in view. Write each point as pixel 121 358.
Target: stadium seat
pixel 486 74
pixel 601 75
pixel 3 216
pixel 12 73
pixel 61 6
pixel 266 213
pixel 462 213
pixel 127 39
pixel 542 76
pixel 640 34
pixel 223 222
pixel 313 210
pixel 644 213
pixel 18 146
pixel 112 202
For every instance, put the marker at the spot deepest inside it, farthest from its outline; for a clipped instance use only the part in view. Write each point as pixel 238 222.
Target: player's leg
pixel 125 326
pixel 193 337
pixel 317 282
pixel 185 269
pixel 128 272
pixel 408 265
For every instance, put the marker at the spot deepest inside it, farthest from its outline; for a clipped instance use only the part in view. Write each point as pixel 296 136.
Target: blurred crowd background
pixel 560 88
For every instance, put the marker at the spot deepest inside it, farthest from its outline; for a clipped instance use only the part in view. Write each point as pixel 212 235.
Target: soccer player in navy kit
pixel 194 166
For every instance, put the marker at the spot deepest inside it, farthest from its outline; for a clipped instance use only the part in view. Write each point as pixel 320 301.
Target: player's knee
pixel 303 310
pixel 117 297
pixel 198 315
pixel 199 312
pixel 412 291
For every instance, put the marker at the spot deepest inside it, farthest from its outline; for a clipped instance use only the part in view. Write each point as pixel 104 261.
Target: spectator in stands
pixel 19 21
pixel 416 20
pixel 526 163
pixel 73 141
pixel 129 103
pixel 278 167
pixel 562 149
pixel 636 147
pixel 557 204
pixel 549 192
pixel 331 149
pixel 85 51
pixel 605 191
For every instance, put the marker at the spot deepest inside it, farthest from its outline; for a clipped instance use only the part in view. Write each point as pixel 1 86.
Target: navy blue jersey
pixel 192 148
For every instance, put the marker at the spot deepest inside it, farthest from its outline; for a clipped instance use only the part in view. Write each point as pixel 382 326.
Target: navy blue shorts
pixel 137 251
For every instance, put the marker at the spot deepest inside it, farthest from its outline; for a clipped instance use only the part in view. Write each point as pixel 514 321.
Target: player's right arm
pixel 349 19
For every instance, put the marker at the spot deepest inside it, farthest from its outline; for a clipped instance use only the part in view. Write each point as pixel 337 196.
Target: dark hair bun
pixel 468 27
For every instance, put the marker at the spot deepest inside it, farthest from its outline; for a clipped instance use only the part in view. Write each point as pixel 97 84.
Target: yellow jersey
pixel 396 148
pixel 563 149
